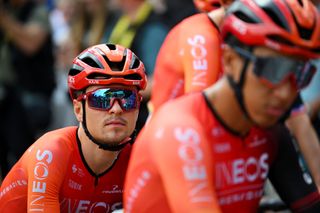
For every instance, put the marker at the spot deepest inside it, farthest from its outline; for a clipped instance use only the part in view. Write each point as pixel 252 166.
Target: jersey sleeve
pixel 291 180
pixel 184 161
pixel 202 57
pixel 47 164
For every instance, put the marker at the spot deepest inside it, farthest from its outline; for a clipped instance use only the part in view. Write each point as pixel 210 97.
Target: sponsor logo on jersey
pixel 75 205
pixel 257 141
pixel 176 90
pixel 77 170
pixel 241 179
pixel 74 185
pixel 115 189
pixel 39 184
pixel 241 170
pixel 247 194
pixel 13 185
pixel 222 147
pixel 134 191
pixel 193 167
pixel 200 64
pixel 217 131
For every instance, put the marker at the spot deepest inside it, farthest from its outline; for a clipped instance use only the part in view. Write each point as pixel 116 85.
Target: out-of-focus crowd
pixel 39 39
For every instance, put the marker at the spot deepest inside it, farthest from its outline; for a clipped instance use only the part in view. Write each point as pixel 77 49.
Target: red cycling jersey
pixel 189 160
pixel 189 60
pixel 52 176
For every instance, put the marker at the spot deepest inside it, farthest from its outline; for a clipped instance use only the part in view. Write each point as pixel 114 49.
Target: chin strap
pixel 104 146
pixel 237 88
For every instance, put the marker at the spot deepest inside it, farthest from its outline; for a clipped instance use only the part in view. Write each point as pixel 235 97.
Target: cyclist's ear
pixel 232 62
pixel 77 109
pixel 140 98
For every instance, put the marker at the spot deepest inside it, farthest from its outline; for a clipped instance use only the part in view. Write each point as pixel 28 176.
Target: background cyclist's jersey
pixel 188 159
pixel 52 176
pixel 189 60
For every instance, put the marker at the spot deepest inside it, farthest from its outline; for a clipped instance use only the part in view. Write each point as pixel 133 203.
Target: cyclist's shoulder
pixel 58 141
pixel 183 110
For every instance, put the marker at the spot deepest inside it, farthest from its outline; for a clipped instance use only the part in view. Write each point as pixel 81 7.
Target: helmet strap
pixel 238 89
pixel 104 146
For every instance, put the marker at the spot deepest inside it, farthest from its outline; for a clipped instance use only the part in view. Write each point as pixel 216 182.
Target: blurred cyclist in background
pixel 82 169
pixel 190 60
pixel 212 151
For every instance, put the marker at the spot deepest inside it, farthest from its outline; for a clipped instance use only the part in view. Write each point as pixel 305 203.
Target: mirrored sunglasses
pixel 104 98
pixel 275 70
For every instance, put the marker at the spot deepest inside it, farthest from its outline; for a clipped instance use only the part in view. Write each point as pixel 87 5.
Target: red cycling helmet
pixel 288 26
pixel 106 64
pixel 207 5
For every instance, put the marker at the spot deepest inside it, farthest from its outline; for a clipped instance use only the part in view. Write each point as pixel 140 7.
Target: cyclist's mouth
pixel 275 111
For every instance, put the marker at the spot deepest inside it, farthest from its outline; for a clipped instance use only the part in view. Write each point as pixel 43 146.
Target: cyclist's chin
pixel 266 121
pixel 116 135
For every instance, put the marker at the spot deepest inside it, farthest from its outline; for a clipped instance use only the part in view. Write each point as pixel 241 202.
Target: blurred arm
pixel 302 129
pixel 28 37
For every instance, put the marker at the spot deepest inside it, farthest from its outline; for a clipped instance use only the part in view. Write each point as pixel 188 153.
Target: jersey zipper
pixel 96 180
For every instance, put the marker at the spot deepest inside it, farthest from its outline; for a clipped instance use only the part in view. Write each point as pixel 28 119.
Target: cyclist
pixel 194 64
pixel 212 151
pixel 81 169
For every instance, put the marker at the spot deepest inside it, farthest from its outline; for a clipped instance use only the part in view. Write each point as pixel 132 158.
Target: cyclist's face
pixel 267 104
pixel 112 125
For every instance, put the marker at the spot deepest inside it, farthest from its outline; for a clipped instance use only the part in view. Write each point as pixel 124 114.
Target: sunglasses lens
pixel 129 100
pixel 103 98
pixel 276 70
pixel 306 75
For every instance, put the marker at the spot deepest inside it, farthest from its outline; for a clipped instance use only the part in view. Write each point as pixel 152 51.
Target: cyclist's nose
pixel 116 107
pixel 285 90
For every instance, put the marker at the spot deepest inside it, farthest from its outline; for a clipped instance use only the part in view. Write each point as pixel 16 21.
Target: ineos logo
pixel 41 171
pixel 190 153
pixel 199 62
pixel 39 185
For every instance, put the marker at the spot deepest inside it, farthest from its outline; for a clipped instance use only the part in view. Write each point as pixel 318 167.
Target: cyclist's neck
pixel 98 160
pixel 222 99
pixel 217 16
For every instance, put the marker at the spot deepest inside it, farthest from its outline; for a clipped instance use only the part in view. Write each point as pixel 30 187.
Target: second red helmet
pixel 106 64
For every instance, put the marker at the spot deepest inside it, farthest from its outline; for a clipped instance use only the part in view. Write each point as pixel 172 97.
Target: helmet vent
pixel 243 13
pixel 111 46
pixel 244 17
pixel 135 62
pixel 115 66
pixel 273 12
pixel 216 4
pixel 75 70
pixel 300 2
pixel 90 60
pixel 132 77
pixel 281 40
pixel 303 32
pixel 98 76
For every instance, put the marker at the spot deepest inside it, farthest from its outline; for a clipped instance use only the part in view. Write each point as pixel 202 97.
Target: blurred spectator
pixel 60 20
pixel 141 28
pixel 26 76
pixel 178 10
pixel 88 25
